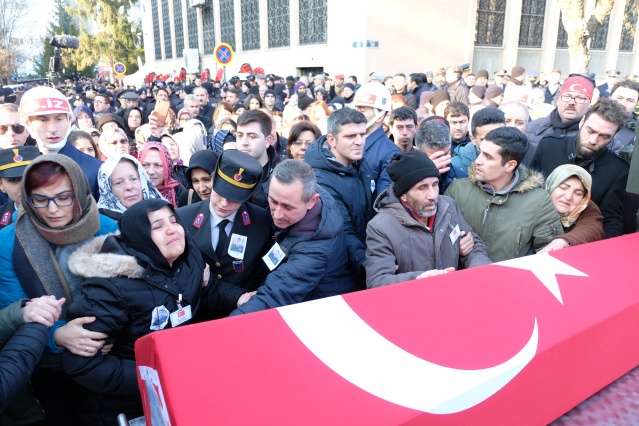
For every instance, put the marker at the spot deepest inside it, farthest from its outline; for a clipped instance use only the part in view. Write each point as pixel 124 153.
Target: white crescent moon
pixel 572 87
pixel 345 343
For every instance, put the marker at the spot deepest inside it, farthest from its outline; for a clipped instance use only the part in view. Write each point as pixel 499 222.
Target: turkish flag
pixel 513 343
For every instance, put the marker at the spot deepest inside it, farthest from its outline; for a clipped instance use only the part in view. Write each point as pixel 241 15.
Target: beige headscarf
pixel 558 176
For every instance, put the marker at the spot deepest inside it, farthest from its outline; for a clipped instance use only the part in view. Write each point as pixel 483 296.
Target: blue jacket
pixel 378 151
pixel 448 177
pixel 351 188
pixel 463 157
pixel 315 265
pixel 89 165
pixel 10 287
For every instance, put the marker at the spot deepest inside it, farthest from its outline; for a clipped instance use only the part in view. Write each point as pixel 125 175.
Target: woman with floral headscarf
pixel 123 182
pixel 113 142
pixel 569 187
pixel 157 163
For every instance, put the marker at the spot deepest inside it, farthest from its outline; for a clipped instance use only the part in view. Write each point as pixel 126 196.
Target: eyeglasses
pixel 122 141
pixel 17 128
pixel 577 99
pixel 298 142
pixel 40 202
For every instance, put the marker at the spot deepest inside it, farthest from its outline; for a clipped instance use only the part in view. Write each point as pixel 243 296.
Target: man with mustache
pixel 572 103
pixel 417 233
pixel 589 149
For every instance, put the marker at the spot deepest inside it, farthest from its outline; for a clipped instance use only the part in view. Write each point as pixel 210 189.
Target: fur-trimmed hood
pixel 102 257
pixel 528 179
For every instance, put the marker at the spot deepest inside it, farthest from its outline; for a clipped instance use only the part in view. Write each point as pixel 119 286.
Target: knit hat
pixel 482 73
pixel 406 169
pixel 478 91
pixel 578 83
pixel 303 101
pixel 349 85
pixel 492 92
pixel 268 92
pixel 518 71
pixel 377 75
pixel 439 97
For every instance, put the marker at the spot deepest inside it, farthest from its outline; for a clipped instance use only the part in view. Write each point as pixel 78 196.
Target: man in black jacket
pixel 234 256
pixel 589 149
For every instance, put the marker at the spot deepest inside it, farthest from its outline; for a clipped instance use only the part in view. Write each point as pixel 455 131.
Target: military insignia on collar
pixel 5 219
pixel 198 220
pixel 246 219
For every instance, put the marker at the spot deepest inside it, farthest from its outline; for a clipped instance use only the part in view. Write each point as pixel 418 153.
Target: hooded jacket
pixel 515 222
pixel 351 187
pixel 400 248
pixel 609 176
pixel 378 151
pixel 122 293
pixel 315 263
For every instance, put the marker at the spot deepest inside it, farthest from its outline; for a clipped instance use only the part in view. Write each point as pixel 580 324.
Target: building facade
pixel 292 37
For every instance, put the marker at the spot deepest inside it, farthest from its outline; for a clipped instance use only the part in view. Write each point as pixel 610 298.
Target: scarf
pixel 558 176
pixel 555 121
pixel 86 220
pixel 167 188
pixel 105 138
pixel 108 200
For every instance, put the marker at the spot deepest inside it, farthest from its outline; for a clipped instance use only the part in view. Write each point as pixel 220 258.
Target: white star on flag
pixel 545 267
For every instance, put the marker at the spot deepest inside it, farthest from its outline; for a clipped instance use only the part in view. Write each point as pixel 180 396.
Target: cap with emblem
pixel 14 160
pixel 236 176
pixel 502 72
pixel 465 67
pixel 613 73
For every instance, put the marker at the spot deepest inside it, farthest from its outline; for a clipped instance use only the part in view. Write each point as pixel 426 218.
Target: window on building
pixel 166 26
pixel 629 25
pixel 532 23
pixel 208 27
pixel 489 29
pixel 156 30
pixel 599 39
pixel 250 24
pixel 191 20
pixel 562 35
pixel 279 34
pixel 179 28
pixel 227 22
pixel 313 21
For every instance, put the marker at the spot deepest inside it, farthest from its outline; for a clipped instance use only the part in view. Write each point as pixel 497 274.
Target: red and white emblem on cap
pixel 366 99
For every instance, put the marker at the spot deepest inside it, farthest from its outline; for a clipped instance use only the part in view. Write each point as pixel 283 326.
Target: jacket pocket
pixel 518 233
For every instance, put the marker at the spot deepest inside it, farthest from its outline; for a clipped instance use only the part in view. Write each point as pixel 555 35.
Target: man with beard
pixel 457 89
pixel 573 102
pixel 589 149
pixel 417 233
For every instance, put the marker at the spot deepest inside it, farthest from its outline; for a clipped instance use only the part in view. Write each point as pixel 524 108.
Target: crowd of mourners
pixel 129 210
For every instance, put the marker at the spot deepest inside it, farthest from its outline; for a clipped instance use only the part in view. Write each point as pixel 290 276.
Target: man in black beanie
pixel 417 233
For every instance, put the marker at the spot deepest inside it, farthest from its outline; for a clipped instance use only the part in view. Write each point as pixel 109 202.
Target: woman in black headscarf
pixel 146 279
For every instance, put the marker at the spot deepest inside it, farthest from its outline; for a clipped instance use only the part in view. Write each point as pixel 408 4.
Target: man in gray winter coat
pixel 417 233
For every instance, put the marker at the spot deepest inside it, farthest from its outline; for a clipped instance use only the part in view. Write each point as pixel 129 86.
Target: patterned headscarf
pixel 558 176
pixel 108 200
pixel 105 138
pixel 167 189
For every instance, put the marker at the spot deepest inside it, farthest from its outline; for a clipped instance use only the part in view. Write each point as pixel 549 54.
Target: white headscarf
pixel 108 200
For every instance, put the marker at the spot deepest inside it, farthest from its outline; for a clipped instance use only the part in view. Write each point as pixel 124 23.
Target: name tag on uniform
pixel 181 316
pixel 274 257
pixel 454 234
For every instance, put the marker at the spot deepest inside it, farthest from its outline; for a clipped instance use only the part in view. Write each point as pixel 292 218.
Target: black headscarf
pixel 135 230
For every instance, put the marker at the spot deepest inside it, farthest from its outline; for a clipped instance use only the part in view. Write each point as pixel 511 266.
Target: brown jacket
pixel 587 228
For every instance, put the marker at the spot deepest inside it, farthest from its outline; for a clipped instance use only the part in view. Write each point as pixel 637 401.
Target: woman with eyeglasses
pixel 301 137
pixel 57 215
pixel 123 182
pixel 114 141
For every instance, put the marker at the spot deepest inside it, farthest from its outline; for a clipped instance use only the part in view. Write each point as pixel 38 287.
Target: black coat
pixel 226 285
pixel 609 176
pixel 122 294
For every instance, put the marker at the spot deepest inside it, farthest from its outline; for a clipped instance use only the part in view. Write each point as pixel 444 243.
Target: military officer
pixel 13 161
pixel 232 234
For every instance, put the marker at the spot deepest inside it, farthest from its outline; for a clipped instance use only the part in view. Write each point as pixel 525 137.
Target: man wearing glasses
pixel 589 149
pixel 12 133
pixel 573 102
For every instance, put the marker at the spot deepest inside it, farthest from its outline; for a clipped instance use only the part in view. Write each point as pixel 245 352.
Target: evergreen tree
pixel 118 39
